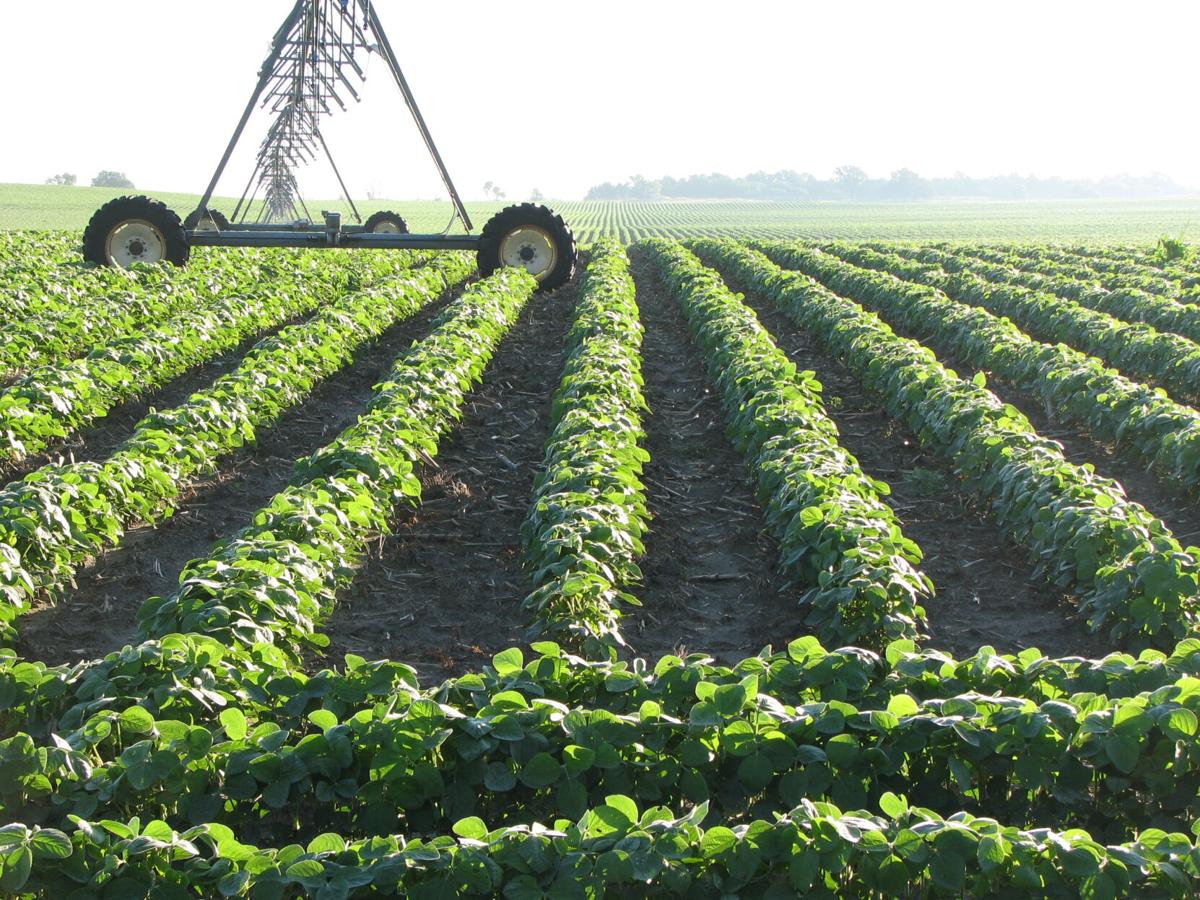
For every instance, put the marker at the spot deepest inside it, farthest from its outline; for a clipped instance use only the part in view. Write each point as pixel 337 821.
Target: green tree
pixel 112 180
pixel 905 184
pixel 850 178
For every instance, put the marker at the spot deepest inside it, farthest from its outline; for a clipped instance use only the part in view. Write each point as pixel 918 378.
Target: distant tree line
pixel 852 183
pixel 103 179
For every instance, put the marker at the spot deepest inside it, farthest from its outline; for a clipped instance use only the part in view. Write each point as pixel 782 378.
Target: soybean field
pixel 752 562
pixel 1092 221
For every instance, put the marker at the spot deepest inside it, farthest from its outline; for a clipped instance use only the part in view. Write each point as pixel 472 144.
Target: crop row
pixel 71 325
pixel 508 746
pixel 1123 264
pixel 267 589
pixel 583 534
pixel 44 268
pixel 19 249
pixel 190 677
pixel 276 579
pixel 1141 420
pixel 1137 349
pixel 1183 270
pixel 1050 262
pixel 617 848
pixel 837 538
pixel 1132 576
pixel 51 402
pixel 60 515
pixel 1133 306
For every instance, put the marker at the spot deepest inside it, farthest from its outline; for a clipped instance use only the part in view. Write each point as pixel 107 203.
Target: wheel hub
pixel 530 248
pixel 135 241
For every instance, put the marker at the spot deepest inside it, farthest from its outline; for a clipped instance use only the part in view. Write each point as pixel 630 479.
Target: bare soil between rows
pixel 986 593
pixel 443 592
pixel 98 615
pixel 710 581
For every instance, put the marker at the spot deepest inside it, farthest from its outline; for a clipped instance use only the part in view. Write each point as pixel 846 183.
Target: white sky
pixel 561 96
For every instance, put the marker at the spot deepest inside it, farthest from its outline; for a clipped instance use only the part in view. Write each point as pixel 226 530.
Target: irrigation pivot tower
pixel 315 63
pixel 315 68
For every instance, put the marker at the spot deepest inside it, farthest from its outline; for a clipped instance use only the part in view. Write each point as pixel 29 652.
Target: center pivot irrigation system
pixel 315 62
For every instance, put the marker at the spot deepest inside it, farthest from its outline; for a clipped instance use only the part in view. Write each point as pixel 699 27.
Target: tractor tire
pixel 532 237
pixel 385 223
pixel 213 220
pixel 130 230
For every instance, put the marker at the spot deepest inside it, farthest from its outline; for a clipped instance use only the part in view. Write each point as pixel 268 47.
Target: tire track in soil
pixel 443 593
pixel 100 439
pixel 710 583
pixel 98 615
pixel 986 593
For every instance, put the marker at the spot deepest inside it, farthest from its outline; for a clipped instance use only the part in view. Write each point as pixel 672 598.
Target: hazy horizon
pixel 578 96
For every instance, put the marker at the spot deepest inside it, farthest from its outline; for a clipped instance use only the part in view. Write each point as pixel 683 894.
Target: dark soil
pixel 986 592
pixel 99 614
pixel 443 593
pixel 710 584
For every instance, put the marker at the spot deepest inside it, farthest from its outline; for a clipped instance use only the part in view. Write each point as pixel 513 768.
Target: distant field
pixel 1086 221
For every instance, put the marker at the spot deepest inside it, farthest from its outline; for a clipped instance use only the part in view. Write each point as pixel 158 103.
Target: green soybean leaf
pixel 1182 722
pixel 15 868
pixel 893 806
pixel 991 852
pixel 49 843
pixel 508 662
pixel 541 771
pixel 902 705
pixel 327 843
pixel 305 868
pixel 233 720
pixel 948 869
pixel 717 840
pixel 136 720
pixel 471 827
pixel 755 772
pixel 1122 751
pixel 323 719
pixel 499 777
pixel 578 759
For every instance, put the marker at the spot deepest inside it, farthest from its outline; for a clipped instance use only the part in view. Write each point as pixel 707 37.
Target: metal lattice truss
pixel 309 81
pixel 314 69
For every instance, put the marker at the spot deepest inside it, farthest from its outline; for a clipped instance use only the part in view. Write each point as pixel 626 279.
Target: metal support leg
pixel 389 55
pixel 264 78
pixel 246 193
pixel 333 165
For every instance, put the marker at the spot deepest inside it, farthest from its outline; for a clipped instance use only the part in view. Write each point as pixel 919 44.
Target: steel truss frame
pixel 313 66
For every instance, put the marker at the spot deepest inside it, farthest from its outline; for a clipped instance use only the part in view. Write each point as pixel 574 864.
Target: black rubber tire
pixel 217 217
pixel 379 218
pixel 122 209
pixel 530 214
